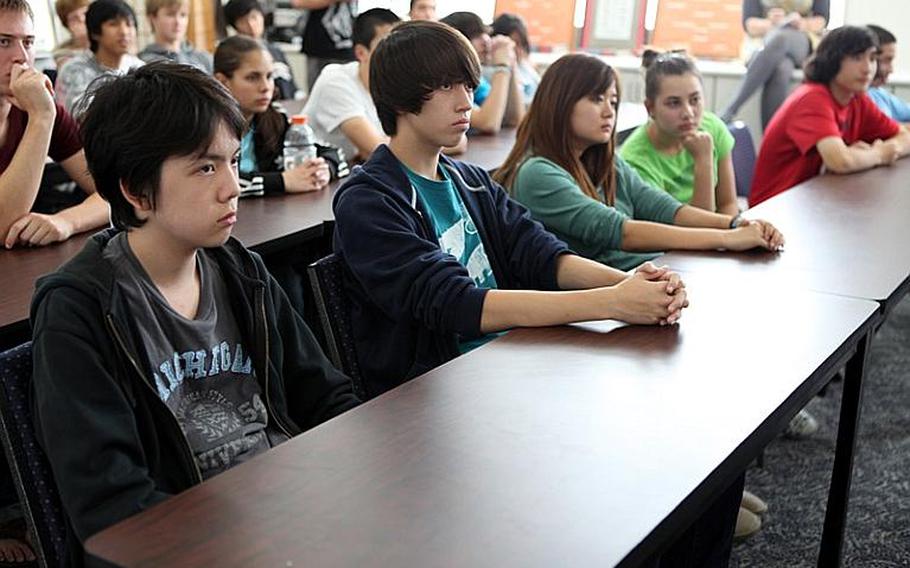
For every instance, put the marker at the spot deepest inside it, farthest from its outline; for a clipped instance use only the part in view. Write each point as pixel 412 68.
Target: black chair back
pixel 333 305
pixel 27 462
pixel 743 156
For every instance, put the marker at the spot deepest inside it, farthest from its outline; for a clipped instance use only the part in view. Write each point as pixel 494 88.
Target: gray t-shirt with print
pixel 201 368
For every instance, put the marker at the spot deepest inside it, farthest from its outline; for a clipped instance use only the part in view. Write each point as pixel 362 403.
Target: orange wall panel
pixel 705 28
pixel 549 23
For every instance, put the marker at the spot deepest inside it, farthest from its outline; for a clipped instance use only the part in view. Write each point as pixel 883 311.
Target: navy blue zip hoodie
pixel 410 300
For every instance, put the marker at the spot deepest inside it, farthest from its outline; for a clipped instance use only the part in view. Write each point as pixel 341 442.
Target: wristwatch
pixel 736 221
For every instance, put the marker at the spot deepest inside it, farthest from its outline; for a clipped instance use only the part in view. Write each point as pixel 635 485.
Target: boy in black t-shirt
pixel 327 34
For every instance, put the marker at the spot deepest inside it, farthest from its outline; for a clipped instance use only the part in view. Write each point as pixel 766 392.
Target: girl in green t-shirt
pixel 682 148
pixel 563 168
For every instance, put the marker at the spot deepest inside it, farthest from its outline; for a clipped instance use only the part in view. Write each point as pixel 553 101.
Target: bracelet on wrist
pixel 736 221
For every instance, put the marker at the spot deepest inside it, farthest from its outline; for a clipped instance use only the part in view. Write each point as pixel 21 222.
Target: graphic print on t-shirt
pixel 216 400
pixel 338 21
pixel 455 229
pixel 200 368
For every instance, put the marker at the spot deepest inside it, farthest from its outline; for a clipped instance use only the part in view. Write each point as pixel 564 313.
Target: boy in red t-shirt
pixel 31 128
pixel 829 123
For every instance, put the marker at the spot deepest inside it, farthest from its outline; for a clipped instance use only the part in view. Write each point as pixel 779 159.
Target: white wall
pixel 892 15
pixel 483 8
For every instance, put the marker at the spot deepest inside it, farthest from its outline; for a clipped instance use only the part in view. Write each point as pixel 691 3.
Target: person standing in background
pixel 327 34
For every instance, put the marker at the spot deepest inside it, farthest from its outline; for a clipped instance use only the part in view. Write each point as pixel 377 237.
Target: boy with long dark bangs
pixel 439 259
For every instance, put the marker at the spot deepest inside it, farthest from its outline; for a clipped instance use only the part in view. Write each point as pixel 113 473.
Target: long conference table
pixel 266 225
pixel 588 444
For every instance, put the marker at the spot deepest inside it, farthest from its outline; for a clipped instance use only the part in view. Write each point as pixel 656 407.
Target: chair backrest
pixel 743 156
pixel 333 305
pixel 27 462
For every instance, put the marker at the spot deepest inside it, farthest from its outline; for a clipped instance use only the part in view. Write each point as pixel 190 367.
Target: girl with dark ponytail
pixel 244 66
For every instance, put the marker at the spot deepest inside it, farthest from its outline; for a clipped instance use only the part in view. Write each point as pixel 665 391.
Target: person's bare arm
pixel 19 183
pixel 515 106
pixel 725 192
pixel 363 135
pixel 650 295
pixel 38 229
pixel 842 159
pixel 901 141
pixel 699 230
pixel 701 146
pixel 77 169
pixel 488 117
pixel 688 216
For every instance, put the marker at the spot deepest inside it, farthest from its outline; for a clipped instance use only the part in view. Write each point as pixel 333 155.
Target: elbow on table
pixel 485 125
pixel 840 165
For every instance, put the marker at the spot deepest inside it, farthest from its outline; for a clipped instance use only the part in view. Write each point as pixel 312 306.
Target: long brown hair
pixel 546 129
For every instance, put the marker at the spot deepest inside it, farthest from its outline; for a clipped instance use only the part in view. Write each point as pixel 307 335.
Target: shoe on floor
pixel 753 504
pixel 747 524
pixel 801 426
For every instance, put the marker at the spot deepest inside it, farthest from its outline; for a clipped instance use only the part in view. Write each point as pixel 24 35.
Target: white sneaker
pixel 801 426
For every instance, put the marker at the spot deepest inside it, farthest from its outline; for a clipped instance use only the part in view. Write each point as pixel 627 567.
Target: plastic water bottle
pixel 299 143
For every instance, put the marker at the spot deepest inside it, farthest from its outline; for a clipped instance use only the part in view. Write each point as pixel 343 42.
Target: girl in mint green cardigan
pixel 564 170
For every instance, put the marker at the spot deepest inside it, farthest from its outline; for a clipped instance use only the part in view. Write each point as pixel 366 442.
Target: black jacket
pixel 114 446
pixel 410 300
pixel 268 179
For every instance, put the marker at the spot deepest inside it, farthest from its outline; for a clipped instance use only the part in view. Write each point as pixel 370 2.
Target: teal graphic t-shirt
pixel 457 234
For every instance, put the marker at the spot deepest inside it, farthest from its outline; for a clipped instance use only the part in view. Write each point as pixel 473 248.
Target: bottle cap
pixel 299 119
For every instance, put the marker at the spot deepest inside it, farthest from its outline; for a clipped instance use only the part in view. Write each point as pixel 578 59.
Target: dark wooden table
pixel 846 235
pixel 593 444
pixel 264 224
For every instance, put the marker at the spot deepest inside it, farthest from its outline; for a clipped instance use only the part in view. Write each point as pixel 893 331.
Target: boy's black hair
pixel 101 11
pixel 884 36
pixel 414 60
pixel 365 25
pixel 824 65
pixel 236 9
pixel 126 140
pixel 508 24
pixel 468 23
